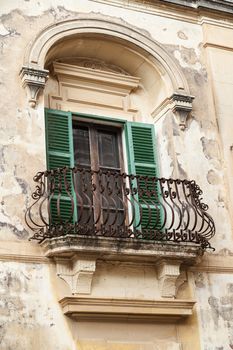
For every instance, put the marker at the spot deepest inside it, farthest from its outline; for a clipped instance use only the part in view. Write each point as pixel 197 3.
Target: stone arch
pixel 34 75
pixel 36 53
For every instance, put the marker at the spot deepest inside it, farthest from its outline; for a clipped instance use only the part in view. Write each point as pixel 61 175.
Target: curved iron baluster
pixel 164 213
pixel 96 198
pixel 59 188
pixel 128 192
pixel 113 200
pixel 84 192
pixel 201 208
pixel 37 194
pixel 178 182
pixel 186 185
pixel 79 199
pixel 119 193
pixel 186 208
pixel 68 187
pixel 165 194
pixel 51 190
pixel 135 193
pixel 141 192
pixel 46 223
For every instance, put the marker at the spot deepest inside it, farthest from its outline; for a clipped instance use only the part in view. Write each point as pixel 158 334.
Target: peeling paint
pixel 213 178
pixel 23 184
pixel 23 234
pixel 182 35
pixel 3 30
pixel 199 280
pixel 210 148
pixel 187 58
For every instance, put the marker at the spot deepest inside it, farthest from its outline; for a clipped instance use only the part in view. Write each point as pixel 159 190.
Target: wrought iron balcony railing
pixel 108 203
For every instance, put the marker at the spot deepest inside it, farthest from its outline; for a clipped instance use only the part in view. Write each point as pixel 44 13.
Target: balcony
pixel 81 216
pixel 91 204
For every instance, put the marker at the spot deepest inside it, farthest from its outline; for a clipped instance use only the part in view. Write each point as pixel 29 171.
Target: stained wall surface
pixel 201 46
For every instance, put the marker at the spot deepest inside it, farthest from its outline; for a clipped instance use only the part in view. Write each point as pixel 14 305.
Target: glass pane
pixel 81 145
pixel 108 150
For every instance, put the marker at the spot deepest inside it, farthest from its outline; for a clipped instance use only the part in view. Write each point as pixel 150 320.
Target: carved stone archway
pixel 34 75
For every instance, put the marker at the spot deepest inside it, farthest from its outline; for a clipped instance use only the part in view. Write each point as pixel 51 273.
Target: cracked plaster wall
pixel 30 318
pixel 193 154
pixel 215 306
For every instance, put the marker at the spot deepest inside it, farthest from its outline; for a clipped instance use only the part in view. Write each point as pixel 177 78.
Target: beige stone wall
pixel 31 317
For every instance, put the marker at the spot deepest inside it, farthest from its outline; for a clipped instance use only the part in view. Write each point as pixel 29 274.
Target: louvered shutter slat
pixel 59 146
pixel 141 147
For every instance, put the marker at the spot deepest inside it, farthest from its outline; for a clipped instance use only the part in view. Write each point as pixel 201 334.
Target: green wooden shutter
pixel 60 153
pixel 141 149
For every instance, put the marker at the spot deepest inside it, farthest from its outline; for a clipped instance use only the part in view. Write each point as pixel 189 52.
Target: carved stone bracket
pixel 181 280
pixel 182 107
pixel 33 81
pixel 77 273
pixel 168 272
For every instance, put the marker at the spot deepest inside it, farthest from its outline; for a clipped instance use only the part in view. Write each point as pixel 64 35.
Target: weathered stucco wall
pixel 214 294
pixel 30 316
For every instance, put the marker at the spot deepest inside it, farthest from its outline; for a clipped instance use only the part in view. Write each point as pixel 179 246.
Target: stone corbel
pixel 33 81
pixel 168 273
pixel 182 107
pixel 77 273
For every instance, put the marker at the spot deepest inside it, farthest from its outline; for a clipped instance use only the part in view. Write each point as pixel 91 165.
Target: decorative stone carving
pixel 92 63
pixel 182 107
pixel 168 272
pixel 34 81
pixel 77 273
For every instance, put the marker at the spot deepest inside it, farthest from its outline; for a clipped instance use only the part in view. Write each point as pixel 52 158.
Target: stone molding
pixel 126 82
pixel 177 9
pixel 77 273
pixel 213 5
pixel 198 16
pixel 89 308
pixel 213 264
pixel 120 249
pixel 32 253
pixel 33 80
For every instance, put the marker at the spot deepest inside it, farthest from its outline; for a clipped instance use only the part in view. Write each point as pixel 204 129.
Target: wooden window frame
pixel 93 141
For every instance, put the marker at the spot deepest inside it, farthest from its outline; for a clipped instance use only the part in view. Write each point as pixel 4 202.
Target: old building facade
pixel 113 113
